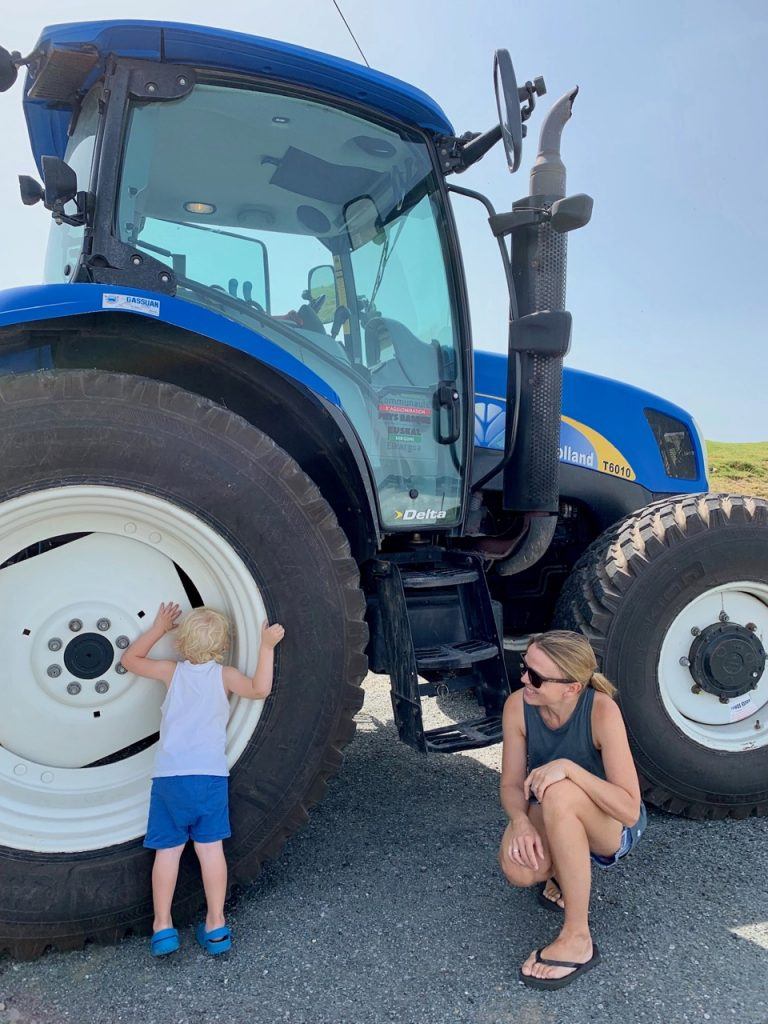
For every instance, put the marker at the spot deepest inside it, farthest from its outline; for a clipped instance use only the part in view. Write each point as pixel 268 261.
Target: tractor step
pixel 440 577
pixel 479 732
pixel 445 657
pixel 435 632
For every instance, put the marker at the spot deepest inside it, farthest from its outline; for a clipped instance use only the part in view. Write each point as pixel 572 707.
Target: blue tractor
pixel 248 382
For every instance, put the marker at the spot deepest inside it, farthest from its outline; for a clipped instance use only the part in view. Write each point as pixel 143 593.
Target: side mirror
pixel 571 213
pixel 8 69
pixel 321 292
pixel 60 182
pixel 31 191
pixel 508 106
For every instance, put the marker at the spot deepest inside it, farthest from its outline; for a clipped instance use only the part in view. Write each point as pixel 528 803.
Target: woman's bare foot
pixel 575 947
pixel 551 892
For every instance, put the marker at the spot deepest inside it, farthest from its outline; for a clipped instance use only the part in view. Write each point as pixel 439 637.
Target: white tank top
pixel 193 727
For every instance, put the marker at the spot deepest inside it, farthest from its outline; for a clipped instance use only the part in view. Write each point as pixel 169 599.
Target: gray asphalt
pixel 388 906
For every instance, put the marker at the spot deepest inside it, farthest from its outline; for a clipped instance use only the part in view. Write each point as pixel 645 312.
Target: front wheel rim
pixel 739 724
pixel 98 588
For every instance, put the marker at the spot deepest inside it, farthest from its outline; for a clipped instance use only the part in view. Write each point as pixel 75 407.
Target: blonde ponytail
pixel 599 682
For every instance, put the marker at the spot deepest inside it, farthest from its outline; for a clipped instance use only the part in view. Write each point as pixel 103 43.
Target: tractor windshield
pixel 323 232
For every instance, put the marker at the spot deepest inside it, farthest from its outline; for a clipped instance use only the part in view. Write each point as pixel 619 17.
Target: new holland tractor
pixel 247 381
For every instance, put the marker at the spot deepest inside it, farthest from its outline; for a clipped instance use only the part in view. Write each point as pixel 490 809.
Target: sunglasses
pixel 534 678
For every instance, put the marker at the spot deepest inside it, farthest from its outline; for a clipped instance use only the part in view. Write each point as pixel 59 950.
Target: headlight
pixel 675 444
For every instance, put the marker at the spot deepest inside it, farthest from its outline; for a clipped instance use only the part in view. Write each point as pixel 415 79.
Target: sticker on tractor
pixel 741 708
pixel 415 513
pixel 135 303
pixel 580 445
pixel 406 417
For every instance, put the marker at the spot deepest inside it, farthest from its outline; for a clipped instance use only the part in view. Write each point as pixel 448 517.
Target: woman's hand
pixel 540 779
pixel 166 617
pixel 523 843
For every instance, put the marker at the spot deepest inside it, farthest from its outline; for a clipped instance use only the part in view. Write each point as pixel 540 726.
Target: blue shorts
pixel 629 838
pixel 183 807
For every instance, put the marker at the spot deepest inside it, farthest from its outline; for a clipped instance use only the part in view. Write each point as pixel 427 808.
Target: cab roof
pixel 203 47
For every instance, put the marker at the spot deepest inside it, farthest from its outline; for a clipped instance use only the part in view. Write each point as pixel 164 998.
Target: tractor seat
pixel 412 363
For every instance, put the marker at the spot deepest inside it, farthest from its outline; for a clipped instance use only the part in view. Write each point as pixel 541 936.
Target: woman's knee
pixel 561 797
pixel 518 875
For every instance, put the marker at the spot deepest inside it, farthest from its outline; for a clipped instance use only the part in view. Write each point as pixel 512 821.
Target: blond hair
pixel 203 636
pixel 573 655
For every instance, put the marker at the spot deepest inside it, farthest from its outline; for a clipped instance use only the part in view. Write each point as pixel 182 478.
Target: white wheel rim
pixel 49 802
pixel 742 723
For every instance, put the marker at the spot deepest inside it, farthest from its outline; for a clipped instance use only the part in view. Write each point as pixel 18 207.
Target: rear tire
pixel 648 594
pixel 76 430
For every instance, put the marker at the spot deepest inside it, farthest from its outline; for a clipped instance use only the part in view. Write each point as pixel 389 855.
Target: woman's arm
pixel 619 794
pixel 522 842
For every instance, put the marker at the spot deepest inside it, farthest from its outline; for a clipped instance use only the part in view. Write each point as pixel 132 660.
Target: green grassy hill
pixel 740 468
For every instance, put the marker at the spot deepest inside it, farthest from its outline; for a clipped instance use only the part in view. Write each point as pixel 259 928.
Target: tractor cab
pixel 315 215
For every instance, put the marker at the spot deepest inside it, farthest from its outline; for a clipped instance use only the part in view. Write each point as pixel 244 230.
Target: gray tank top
pixel 572 740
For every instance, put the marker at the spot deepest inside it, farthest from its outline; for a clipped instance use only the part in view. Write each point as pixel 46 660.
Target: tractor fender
pixel 52 301
pixel 69 326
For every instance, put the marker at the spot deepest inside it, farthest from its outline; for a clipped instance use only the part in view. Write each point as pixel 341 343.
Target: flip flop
pixel 579 969
pixel 545 901
pixel 164 942
pixel 216 941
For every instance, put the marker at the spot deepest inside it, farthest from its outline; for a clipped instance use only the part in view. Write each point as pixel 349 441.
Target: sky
pixel 667 284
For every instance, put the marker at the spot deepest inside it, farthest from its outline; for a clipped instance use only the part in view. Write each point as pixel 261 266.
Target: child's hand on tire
pixel 166 617
pixel 272 635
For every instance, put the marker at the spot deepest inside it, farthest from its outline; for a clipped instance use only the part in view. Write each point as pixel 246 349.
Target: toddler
pixel 189 797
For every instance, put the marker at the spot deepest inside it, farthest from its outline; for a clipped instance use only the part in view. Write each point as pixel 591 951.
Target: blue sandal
pixel 164 942
pixel 216 941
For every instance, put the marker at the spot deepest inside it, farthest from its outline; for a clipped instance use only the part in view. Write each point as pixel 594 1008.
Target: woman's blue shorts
pixel 629 838
pixel 183 807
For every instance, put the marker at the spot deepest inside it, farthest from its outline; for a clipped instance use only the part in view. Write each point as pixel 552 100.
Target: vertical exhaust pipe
pixel 531 478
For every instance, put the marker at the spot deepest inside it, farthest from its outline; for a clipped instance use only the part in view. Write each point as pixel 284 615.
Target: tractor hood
pixel 49 115
pixel 606 427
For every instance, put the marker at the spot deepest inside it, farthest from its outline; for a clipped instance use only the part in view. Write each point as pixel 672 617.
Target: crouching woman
pixel 571 793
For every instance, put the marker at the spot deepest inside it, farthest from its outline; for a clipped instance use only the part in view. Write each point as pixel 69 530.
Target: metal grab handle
pixel 447 397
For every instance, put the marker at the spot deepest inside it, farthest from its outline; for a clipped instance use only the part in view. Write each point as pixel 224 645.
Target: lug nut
pixel 752 627
pixel 122 642
pixel 151 87
pixel 102 686
pixel 695 688
pixel 103 625
pixel 74 688
pixel 75 625
pixel 136 260
pixel 724 700
pixel 723 616
pixel 54 644
pixel 120 669
pixel 181 80
pixel 695 630
pixel 54 671
pixel 685 663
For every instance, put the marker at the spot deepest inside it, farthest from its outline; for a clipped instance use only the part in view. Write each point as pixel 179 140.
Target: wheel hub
pixel 88 656
pixel 727 660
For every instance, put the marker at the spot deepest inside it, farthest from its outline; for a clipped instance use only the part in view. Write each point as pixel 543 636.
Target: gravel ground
pixel 389 906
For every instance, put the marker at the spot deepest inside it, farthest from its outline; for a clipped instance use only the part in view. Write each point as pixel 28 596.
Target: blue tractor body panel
pixel 54 301
pixel 603 425
pixel 229 51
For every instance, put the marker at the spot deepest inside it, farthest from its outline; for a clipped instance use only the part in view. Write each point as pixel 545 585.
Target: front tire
pixel 674 600
pixel 115 490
